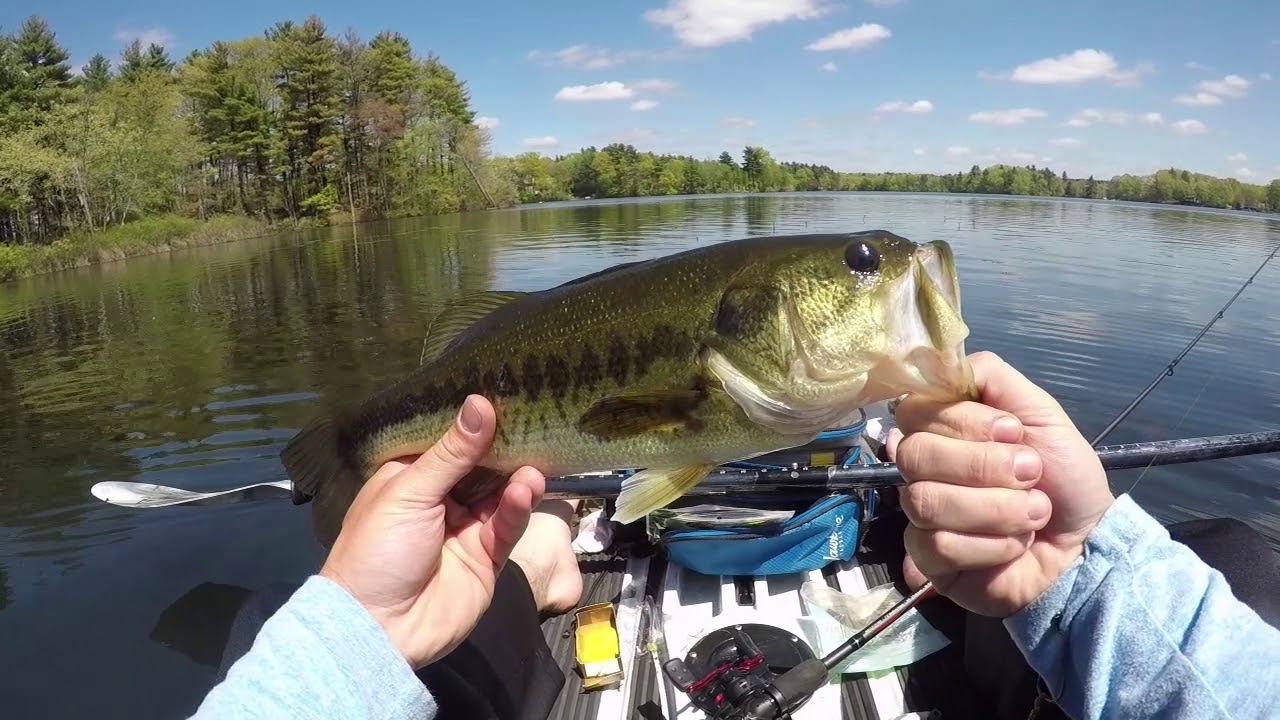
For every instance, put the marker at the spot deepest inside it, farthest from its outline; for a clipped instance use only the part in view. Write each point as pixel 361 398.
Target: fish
pixel 670 366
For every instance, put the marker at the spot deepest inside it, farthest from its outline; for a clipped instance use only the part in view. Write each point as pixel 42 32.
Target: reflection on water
pixel 193 369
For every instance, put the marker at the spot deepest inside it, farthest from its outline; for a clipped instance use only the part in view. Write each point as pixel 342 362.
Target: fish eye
pixel 862 258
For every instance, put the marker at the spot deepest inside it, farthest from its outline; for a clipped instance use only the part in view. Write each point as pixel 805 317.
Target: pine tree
pixel 96 73
pixel 34 75
pixel 310 105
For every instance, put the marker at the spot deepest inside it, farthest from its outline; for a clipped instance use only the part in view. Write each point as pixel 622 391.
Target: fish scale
pixel 673 365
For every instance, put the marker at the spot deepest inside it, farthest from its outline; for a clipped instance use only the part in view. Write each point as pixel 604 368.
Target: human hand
pixel 423 565
pixel 1000 494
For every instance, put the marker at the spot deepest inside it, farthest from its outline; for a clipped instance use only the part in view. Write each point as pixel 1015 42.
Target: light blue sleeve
pixel 1140 627
pixel 320 656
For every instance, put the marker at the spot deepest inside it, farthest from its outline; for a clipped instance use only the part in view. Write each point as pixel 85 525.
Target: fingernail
pixel 1038 506
pixel 1026 465
pixel 470 418
pixel 1006 429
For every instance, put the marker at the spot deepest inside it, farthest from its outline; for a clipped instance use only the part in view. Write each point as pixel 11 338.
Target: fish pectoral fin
pixel 461 314
pixel 628 414
pixel 655 488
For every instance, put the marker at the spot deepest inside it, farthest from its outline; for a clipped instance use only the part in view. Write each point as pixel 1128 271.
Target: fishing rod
pixel 1168 369
pixel 885 475
pixel 737 482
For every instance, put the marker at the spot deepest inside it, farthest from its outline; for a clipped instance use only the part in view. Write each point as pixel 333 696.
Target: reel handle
pixel 787 691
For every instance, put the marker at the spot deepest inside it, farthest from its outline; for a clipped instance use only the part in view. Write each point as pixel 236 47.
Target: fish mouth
pixel 930 359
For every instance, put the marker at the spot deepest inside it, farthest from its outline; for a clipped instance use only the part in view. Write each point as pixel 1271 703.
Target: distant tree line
pixel 301 125
pixel 293 124
pixel 619 170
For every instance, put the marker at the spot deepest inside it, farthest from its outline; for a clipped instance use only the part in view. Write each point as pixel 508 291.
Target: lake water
pixel 192 369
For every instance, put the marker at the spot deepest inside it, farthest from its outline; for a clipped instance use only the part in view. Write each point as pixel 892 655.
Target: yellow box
pixel 598 648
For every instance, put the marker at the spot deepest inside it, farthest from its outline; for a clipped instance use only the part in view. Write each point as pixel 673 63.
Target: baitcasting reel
pixel 760 672
pixel 733 673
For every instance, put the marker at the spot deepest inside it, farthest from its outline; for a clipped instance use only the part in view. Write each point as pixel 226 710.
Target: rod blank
pixel 880 475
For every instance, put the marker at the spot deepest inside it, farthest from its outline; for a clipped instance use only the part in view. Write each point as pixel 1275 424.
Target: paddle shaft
pixel 880 475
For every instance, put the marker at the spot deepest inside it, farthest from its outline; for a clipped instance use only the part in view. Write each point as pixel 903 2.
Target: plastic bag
pixel 711 517
pixel 841 615
pixel 595 534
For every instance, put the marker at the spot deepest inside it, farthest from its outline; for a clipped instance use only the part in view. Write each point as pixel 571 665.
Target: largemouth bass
pixel 674 365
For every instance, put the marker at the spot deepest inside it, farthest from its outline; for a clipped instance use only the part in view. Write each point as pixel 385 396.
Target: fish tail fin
pixel 322 474
pixel 655 488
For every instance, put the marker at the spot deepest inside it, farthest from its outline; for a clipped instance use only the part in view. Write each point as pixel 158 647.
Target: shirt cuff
pixel 1040 629
pixel 360 647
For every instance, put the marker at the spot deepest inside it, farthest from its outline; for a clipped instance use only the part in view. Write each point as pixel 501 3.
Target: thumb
pixel 463 446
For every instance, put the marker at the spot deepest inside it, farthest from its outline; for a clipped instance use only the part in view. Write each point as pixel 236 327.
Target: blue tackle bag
pixel 825 532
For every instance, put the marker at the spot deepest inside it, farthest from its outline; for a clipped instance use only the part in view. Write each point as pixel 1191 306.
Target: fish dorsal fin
pixel 461 314
pixel 601 273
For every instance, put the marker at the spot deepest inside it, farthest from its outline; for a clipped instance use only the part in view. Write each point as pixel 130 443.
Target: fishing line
pixel 1181 420
pixel 1168 369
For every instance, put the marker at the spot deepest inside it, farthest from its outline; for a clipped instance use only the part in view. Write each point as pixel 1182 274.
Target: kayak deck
pixel 691 600
pixel 692 604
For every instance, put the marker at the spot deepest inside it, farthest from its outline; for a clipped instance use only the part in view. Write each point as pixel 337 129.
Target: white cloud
pixel 545 141
pixel 918 152
pixel 1238 157
pixel 883 3
pixel 1093 116
pixel 1066 142
pixel 1193 65
pixel 1190 127
pixel 854 38
pixel 1198 99
pixel 829 66
pixel 146 36
pixel 580 56
pixel 738 121
pixel 642 105
pixel 1074 68
pixel 958 150
pixel 1007 117
pixel 919 106
pixel 1264 76
pixel 486 123
pixel 1152 119
pixel 587 57
pixel 655 84
pixel 707 23
pixel 611 90
pixel 1245 173
pixel 1232 86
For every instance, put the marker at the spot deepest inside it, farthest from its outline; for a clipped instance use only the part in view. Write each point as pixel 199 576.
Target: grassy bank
pixel 141 237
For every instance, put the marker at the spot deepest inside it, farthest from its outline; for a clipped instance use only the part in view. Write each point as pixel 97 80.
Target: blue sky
pixel 911 85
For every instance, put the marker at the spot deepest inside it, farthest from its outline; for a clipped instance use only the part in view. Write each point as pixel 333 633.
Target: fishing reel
pixel 760 672
pixel 741 673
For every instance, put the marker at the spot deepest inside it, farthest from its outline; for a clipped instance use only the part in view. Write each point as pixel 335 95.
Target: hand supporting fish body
pixel 674 365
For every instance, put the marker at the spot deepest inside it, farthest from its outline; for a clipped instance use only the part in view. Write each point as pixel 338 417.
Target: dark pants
pixel 999 673
pixel 502 671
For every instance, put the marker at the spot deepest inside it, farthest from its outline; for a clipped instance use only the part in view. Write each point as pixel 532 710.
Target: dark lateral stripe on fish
pixel 538 373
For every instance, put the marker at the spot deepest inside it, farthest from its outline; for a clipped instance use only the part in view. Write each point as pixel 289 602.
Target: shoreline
pixel 139 238
pixel 169 233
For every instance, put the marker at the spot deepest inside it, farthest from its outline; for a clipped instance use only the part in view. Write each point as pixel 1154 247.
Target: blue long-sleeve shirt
pixel 1137 627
